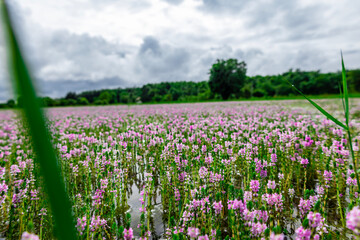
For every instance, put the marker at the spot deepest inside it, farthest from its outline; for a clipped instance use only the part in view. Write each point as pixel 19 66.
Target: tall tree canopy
pixel 227 77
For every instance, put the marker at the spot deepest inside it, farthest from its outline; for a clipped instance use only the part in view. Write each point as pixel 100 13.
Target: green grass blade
pixel 341 95
pixel 345 90
pixel 323 111
pixel 45 154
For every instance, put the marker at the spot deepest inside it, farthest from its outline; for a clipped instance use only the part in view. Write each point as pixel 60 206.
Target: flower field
pixel 188 171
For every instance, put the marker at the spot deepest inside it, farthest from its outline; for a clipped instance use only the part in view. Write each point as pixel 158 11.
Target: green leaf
pixel 345 89
pixel 325 113
pixel 33 115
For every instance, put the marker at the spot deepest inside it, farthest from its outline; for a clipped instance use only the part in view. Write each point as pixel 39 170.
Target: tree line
pixel 227 80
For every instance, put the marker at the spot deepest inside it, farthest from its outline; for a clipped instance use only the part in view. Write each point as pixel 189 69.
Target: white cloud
pixel 102 42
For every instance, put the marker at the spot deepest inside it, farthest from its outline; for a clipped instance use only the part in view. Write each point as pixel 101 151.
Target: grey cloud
pixel 65 61
pixel 264 12
pixel 248 54
pixel 59 88
pixel 162 62
pixel 150 46
pixel 5 95
pixel 223 6
pixel 275 35
pixel 276 19
pixel 80 44
pixel 64 55
pixel 80 7
pixel 252 57
pixel 352 51
pixel 174 2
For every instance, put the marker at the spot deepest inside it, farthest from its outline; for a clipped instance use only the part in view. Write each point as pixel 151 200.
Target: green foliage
pixel 354 80
pixel 71 95
pixel 259 92
pixel 48 102
pixel 312 83
pixel 105 97
pixel 11 103
pixel 83 101
pixel 227 77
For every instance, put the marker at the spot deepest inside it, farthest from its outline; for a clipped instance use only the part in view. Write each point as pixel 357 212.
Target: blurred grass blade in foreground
pixel 45 154
pixel 345 101
pixel 345 90
pixel 323 111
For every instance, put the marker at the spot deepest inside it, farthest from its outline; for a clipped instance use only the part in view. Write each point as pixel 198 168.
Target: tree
pixel 48 102
pixel 83 101
pixel 146 93
pixel 10 103
pixel 105 97
pixel 71 95
pixel 354 80
pixel 227 77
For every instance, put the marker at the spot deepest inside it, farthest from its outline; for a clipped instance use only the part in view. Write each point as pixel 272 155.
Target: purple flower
pixel 303 234
pixel 274 199
pixel 328 176
pixel 81 224
pixel 217 207
pixel 254 185
pixel 247 196
pixel 203 171
pixel 271 184
pixel 128 234
pixel 273 158
pixel 257 229
pixel 193 232
pixel 304 206
pixel 351 181
pixel 276 237
pixel 314 219
pixel 353 220
pixel 304 162
pixel 291 192
pixel 320 190
pixel 29 236
pixel 205 237
pixel 96 223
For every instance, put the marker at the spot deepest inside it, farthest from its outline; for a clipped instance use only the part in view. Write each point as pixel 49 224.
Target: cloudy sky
pixel 75 45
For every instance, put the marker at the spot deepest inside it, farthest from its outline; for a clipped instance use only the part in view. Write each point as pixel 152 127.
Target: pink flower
pixel 303 234
pixel 304 206
pixel 276 237
pixel 314 219
pixel 29 236
pixel 218 207
pixel 254 185
pixel 271 184
pixel 81 224
pixel 328 176
pixel 353 220
pixel 193 232
pixel 304 162
pixel 203 237
pixel 128 234
pixel 257 228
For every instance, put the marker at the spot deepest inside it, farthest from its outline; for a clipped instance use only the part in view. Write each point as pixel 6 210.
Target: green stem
pixel 338 198
pixel 353 158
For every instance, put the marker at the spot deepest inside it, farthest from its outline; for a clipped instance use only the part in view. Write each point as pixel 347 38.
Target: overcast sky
pixel 76 45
